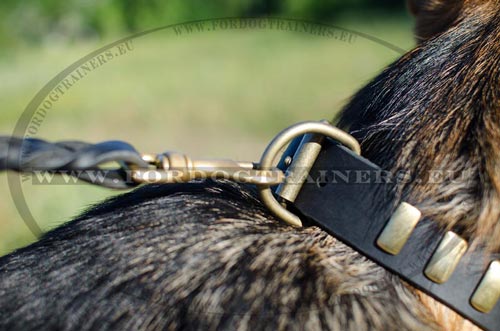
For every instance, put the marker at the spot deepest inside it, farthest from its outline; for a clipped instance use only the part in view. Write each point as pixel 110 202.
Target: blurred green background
pixel 221 93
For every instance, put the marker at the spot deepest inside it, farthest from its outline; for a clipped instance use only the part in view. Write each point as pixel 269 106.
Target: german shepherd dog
pixel 209 256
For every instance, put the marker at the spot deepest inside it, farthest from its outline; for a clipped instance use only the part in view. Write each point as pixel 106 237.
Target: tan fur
pixel 447 318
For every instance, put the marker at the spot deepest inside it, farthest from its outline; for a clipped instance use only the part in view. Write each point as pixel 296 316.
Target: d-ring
pixel 280 141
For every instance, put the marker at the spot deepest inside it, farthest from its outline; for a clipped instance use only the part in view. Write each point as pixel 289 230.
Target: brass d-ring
pixel 276 145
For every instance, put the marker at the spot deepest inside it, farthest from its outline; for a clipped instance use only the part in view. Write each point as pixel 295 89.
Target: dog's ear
pixel 434 16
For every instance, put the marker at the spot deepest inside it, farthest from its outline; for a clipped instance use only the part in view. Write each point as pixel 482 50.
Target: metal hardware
pixel 298 170
pixel 280 141
pixel 487 293
pixel 173 167
pixel 399 228
pixel 176 168
pixel 446 257
pixel 287 161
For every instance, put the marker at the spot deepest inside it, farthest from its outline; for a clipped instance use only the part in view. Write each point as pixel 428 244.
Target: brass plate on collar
pixel 487 293
pixel 446 257
pixel 399 228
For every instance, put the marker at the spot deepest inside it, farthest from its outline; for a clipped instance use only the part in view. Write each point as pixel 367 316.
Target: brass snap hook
pixel 172 167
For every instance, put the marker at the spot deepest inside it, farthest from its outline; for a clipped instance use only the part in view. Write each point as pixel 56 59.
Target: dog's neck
pixel 436 112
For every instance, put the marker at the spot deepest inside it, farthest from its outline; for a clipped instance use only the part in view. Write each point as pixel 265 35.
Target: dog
pixel 209 256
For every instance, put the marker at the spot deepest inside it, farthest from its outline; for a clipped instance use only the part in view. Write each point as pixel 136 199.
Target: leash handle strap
pixel 348 197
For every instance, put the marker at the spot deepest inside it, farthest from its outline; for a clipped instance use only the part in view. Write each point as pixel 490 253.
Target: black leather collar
pixel 355 207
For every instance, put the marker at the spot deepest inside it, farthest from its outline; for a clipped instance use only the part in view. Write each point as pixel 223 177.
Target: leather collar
pixel 350 198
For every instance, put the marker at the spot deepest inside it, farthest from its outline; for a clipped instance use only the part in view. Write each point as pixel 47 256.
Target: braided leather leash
pixel 30 155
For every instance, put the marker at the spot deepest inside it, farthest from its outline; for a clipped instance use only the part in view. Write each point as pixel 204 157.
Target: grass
pixel 210 94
